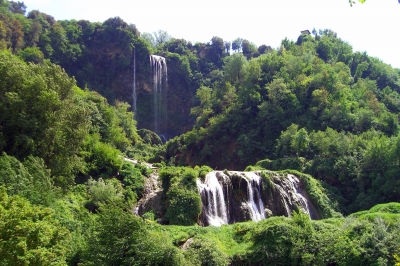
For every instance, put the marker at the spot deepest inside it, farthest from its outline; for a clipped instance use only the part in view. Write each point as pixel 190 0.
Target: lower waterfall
pixel 229 196
pixel 213 199
pixel 255 203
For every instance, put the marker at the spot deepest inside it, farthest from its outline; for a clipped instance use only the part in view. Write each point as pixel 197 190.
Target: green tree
pixel 248 48
pixel 234 68
pixel 29 179
pixel 204 110
pixel 161 37
pixel 32 54
pixel 29 235
pixel 237 44
pixel 284 143
pixel 17 7
pixel 300 141
pixel 41 115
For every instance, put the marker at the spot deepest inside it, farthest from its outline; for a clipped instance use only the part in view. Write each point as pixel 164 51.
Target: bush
pixel 102 159
pixel 273 242
pixel 29 235
pixel 132 179
pixel 203 171
pixel 149 216
pixel 32 54
pixel 105 192
pixel 30 179
pixel 203 251
pixel 184 206
pixel 121 238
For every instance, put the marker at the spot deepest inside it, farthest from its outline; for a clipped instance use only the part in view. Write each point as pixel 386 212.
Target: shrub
pixel 149 216
pixel 184 206
pixel 30 179
pixel 203 251
pixel 132 179
pixel 29 235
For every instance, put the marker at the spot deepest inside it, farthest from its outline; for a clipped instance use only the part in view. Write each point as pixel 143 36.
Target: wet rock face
pixel 286 195
pixel 230 197
pixel 152 199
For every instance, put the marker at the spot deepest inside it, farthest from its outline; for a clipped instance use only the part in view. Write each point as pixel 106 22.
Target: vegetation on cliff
pixel 312 106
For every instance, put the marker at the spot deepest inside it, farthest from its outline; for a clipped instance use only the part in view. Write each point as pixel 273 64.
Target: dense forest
pixel 75 158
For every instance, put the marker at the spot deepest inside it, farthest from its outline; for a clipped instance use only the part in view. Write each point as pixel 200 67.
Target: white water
pixel 216 191
pixel 256 207
pixel 134 86
pixel 290 196
pixel 284 198
pixel 215 209
pixel 301 200
pixel 158 67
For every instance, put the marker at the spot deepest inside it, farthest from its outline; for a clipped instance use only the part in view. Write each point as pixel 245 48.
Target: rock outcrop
pixel 230 197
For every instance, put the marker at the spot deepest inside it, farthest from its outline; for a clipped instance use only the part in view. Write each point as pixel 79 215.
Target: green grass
pixel 230 239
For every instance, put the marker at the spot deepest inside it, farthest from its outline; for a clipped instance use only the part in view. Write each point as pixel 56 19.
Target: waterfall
pixel 290 196
pixel 301 200
pixel 230 196
pixel 212 195
pixel 158 67
pixel 284 198
pixel 216 188
pixel 134 85
pixel 255 203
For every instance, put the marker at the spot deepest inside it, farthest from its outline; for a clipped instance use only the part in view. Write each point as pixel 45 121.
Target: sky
pixel 373 27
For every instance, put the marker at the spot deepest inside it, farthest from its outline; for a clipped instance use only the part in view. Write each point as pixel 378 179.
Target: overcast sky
pixel 373 27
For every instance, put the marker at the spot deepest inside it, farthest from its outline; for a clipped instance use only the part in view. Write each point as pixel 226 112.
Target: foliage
pixel 122 239
pixel 184 206
pixel 32 54
pixel 102 159
pixel 397 258
pixel 343 159
pixel 30 179
pixel 132 179
pixel 29 235
pixel 311 105
pixel 39 112
pixel 108 192
pixel 69 210
pixel 180 190
pixel 203 251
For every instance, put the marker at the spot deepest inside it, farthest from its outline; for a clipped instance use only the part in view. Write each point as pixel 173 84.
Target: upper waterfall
pixel 158 66
pixel 134 96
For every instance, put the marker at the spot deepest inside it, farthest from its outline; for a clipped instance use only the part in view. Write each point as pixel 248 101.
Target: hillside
pixel 125 148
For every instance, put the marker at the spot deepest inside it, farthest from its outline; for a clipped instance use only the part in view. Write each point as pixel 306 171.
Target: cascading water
pixel 230 197
pixel 289 195
pixel 134 85
pixel 158 67
pixel 255 203
pixel 302 201
pixel 212 195
pixel 216 195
